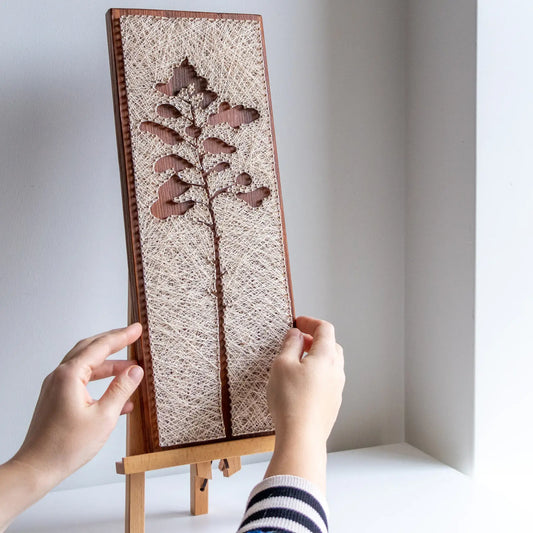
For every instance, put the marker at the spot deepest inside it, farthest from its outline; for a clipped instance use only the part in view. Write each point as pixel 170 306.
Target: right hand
pixel 305 391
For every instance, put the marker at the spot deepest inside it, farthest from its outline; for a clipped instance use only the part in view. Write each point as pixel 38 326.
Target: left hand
pixel 68 427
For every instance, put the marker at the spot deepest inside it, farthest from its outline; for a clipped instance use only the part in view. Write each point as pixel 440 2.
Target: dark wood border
pixel 135 272
pixel 135 268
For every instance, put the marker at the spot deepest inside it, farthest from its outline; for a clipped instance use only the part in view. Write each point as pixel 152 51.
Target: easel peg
pixel 229 466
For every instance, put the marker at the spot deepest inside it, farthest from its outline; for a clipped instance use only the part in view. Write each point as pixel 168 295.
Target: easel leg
pixel 135 503
pixel 200 476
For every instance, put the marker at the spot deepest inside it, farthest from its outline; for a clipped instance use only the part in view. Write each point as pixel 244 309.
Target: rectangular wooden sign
pixel 208 264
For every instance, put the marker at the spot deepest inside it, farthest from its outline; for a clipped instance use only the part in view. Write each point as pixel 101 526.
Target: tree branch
pixel 210 226
pixel 193 184
pixel 220 191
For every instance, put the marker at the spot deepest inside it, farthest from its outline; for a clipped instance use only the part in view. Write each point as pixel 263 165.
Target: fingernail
pixel 135 373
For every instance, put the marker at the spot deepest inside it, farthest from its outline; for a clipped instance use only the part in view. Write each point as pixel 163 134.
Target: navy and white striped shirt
pixel 285 504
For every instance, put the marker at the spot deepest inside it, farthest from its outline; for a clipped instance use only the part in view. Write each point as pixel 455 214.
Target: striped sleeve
pixel 287 504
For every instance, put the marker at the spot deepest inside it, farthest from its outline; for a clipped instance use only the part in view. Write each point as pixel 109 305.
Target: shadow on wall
pixel 366 95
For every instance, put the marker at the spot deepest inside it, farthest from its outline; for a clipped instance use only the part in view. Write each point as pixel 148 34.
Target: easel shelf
pixel 145 462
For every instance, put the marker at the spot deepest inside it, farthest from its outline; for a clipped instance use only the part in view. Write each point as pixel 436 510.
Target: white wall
pixel 469 198
pixel 504 270
pixel 440 232
pixel 337 77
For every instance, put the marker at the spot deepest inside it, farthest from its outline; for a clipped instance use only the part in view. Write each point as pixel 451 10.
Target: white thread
pixel 177 253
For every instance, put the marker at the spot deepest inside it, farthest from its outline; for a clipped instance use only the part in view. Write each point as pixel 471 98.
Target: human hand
pixel 304 396
pixel 68 427
pixel 305 391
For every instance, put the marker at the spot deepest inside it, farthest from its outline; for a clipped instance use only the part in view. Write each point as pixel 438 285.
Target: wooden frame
pixel 136 277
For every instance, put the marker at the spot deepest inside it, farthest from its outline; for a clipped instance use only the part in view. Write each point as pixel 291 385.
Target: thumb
pixel 120 389
pixel 293 345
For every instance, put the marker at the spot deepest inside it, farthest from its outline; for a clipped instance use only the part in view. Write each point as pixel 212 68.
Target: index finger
pixel 320 330
pixel 106 344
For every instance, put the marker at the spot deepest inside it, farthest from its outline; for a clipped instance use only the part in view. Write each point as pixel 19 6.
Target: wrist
pixel 300 437
pixel 37 481
pixel 306 444
pixel 45 465
pixel 21 485
pixel 300 454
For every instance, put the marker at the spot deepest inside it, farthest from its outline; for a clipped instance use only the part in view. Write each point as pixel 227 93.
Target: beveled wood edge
pixel 118 12
pixel 129 202
pixel 135 464
pixel 276 170
pixel 136 441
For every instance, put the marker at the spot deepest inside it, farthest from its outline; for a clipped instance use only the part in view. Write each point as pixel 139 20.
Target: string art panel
pixel 209 274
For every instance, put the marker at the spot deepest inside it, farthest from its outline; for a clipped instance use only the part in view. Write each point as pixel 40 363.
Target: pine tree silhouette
pixel 194 97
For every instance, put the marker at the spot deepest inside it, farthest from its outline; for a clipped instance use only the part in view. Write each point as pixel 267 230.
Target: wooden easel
pixel 138 461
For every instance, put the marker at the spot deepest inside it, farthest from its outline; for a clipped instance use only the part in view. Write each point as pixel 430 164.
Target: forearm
pixel 299 455
pixel 20 486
